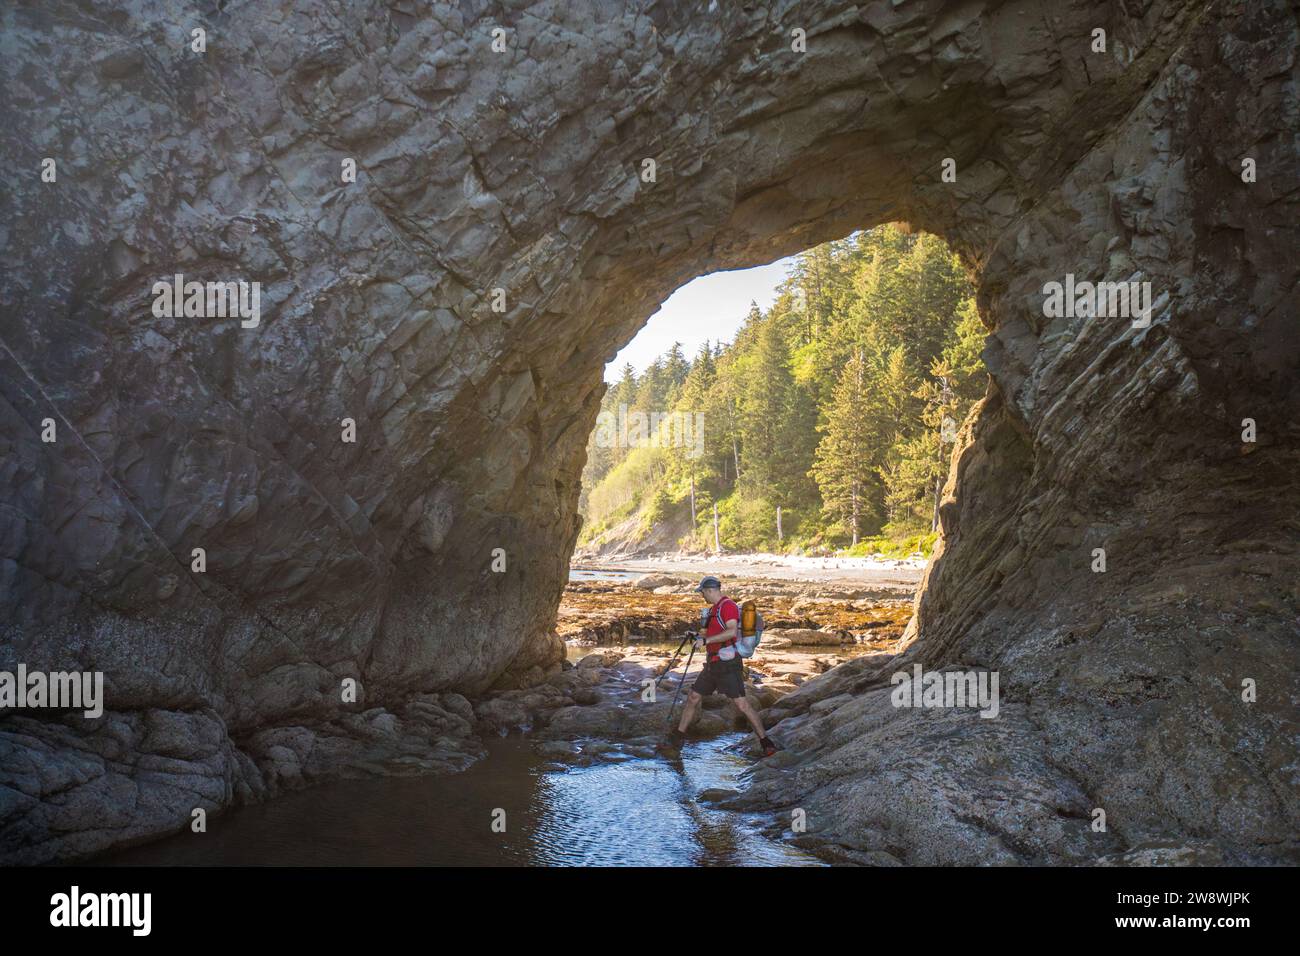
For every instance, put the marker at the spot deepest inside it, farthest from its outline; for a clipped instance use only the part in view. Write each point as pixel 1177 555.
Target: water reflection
pixel 640 812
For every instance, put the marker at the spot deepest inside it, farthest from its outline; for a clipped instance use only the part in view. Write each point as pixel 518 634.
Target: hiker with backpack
pixel 724 670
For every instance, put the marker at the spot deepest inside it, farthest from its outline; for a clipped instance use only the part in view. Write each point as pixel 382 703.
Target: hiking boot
pixel 769 746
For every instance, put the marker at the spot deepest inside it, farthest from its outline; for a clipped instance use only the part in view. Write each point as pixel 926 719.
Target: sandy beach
pixel 875 572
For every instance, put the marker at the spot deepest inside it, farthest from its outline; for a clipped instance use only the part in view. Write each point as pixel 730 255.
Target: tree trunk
pixel 934 520
pixel 855 513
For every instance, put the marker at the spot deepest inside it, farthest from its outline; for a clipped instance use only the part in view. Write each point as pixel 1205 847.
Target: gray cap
pixel 710 582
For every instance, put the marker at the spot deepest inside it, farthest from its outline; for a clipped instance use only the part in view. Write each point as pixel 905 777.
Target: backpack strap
pixel 723 624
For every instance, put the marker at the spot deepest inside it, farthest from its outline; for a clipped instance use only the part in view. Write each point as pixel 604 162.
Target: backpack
pixel 745 644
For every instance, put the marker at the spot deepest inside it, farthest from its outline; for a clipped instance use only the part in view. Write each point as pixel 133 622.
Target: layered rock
pixel 514 180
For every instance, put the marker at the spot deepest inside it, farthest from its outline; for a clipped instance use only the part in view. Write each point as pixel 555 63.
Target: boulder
pixel 803 637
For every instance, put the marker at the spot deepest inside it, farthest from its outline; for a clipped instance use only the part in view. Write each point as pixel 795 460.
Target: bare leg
pixel 688 712
pixel 745 707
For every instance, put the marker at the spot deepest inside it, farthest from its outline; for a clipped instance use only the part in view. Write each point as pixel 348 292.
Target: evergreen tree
pixel 842 463
pixel 764 407
pixel 676 368
pixel 624 393
pixel 839 404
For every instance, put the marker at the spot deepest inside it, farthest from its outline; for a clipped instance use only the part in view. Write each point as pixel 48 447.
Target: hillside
pixel 839 406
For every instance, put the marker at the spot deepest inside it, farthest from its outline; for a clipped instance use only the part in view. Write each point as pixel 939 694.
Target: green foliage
pixel 621 492
pixel 894 547
pixel 839 404
pixel 657 509
pixel 749 520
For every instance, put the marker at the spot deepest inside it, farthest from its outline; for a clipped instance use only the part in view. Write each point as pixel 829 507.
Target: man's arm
pixel 726 634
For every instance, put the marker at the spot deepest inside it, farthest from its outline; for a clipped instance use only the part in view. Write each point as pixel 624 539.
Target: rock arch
pixel 518 171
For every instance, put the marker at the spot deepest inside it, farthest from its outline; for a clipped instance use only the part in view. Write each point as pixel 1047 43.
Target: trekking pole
pixel 690 635
pixel 679 687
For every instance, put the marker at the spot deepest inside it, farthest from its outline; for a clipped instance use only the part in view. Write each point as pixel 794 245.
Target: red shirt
pixel 726 609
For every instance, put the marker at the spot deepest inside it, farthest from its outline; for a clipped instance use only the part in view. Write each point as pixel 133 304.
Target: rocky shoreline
pixel 876 784
pixel 661 606
pixel 596 706
pixel 577 712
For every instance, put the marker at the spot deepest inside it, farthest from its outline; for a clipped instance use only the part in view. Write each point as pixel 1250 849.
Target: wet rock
pixel 585 696
pixel 457 704
pixel 835 853
pixel 656 582
pixel 806 637
pixel 604 659
pixel 190 763
pixel 559 749
pixel 716 795
pixel 501 715
pixel 613 716
pixel 871 777
pixel 1166 853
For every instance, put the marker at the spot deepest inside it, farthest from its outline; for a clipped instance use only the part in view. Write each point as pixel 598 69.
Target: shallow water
pixel 603 574
pixel 638 812
pixel 634 811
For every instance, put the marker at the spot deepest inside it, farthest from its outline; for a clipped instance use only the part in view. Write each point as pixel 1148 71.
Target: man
pixel 724 670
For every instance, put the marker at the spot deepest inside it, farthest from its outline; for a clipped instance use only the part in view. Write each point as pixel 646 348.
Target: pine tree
pixel 764 406
pixel 838 404
pixel 652 388
pixel 624 393
pixel 676 368
pixel 842 464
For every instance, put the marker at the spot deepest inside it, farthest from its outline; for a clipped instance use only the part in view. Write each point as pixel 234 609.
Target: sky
pixel 708 308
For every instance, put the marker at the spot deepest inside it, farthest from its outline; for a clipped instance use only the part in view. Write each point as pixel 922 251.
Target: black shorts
pixel 725 676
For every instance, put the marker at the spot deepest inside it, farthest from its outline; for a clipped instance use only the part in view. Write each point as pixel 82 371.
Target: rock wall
pixel 458 301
